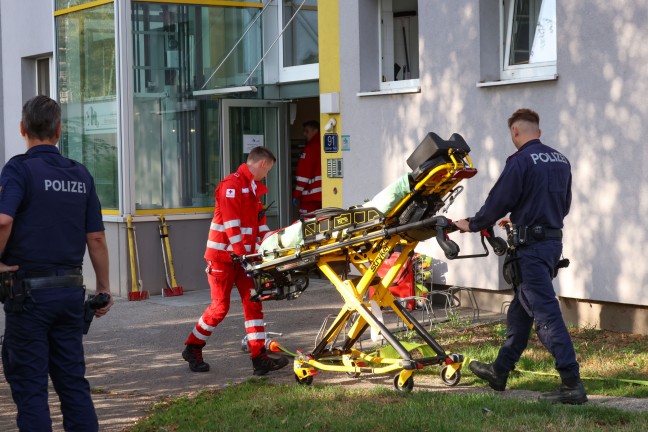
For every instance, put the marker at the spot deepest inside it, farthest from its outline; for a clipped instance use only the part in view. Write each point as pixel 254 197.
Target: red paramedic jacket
pixel 236 227
pixel 309 172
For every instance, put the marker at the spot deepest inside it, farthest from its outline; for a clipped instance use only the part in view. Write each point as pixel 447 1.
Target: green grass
pixel 260 405
pixel 604 357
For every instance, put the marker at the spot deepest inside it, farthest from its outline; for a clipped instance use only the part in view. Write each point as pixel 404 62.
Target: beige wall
pixel 616 317
pixel 593 112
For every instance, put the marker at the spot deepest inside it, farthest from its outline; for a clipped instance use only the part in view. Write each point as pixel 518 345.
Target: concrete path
pixel 133 354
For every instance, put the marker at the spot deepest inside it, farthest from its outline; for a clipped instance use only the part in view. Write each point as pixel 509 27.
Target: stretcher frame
pixel 365 246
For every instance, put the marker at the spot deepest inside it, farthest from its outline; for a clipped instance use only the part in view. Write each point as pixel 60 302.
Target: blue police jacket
pixel 54 205
pixel 535 187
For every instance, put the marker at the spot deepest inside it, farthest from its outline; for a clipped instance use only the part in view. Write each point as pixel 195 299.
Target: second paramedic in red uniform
pixel 308 192
pixel 238 226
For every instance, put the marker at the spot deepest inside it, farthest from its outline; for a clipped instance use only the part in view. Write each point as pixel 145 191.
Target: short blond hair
pixel 261 153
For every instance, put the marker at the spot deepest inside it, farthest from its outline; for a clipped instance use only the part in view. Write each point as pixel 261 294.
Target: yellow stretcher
pixel 335 239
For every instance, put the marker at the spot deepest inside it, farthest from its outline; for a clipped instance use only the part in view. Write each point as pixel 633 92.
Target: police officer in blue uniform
pixel 49 213
pixel 535 187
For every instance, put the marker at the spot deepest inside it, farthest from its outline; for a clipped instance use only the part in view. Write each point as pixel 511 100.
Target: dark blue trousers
pixel 47 338
pixel 535 302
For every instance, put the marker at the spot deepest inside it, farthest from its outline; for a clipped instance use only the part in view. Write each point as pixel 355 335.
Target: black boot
pixel 573 395
pixel 264 364
pixel 193 354
pixel 496 380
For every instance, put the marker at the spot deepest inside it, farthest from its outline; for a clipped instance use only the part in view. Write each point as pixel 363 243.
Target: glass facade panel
pixel 64 4
pixel 87 94
pixel 300 40
pixel 179 49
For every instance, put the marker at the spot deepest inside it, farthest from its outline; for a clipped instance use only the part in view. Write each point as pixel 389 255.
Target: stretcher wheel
pixel 353 374
pixel 409 384
pixel 453 380
pixel 306 381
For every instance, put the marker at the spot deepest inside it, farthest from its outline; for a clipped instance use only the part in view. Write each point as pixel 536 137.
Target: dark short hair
pixel 41 117
pixel 524 114
pixel 313 124
pixel 259 153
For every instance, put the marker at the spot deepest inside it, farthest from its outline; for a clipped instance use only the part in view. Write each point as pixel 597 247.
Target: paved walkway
pixel 133 354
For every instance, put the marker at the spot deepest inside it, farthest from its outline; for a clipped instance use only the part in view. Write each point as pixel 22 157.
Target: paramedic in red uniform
pixel 238 226
pixel 308 192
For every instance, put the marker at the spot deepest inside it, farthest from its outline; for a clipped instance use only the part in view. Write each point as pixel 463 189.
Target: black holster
pixel 13 292
pixel 6 286
pixel 511 268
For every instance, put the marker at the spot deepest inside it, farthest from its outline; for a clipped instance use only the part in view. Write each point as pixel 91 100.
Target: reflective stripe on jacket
pixel 309 172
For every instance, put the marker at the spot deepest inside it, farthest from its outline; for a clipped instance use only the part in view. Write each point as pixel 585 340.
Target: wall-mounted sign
pixel 346 142
pixel 330 143
pixel 100 117
pixel 251 141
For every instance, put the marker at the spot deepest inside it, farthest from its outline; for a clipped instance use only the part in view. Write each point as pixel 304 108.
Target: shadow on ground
pixel 133 355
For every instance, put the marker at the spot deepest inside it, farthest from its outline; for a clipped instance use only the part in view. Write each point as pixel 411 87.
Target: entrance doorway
pixel 301 111
pixel 276 125
pixel 251 123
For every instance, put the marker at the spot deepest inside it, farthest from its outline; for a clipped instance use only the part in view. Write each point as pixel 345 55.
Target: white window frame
pixel 531 71
pixel 386 24
pixel 307 72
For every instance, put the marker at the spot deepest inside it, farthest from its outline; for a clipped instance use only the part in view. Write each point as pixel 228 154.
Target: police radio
pixel 93 303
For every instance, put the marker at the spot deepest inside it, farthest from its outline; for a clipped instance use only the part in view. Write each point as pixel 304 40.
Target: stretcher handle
pixel 256 257
pixel 451 249
pixel 498 244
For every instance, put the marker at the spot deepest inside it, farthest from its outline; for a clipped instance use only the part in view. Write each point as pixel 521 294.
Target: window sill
pixel 404 90
pixel 552 77
pixel 156 218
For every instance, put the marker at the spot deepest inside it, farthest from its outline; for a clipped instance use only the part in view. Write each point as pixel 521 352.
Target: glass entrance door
pixel 250 123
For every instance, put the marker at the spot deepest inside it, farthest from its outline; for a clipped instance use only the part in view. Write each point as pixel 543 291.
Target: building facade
pixel 413 67
pixel 162 99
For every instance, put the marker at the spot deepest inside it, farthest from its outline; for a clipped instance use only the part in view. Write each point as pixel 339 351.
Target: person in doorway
pixel 238 226
pixel 49 213
pixel 308 191
pixel 535 187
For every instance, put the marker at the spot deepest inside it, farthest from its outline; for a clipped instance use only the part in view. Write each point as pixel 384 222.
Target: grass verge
pixel 260 405
pixel 606 358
